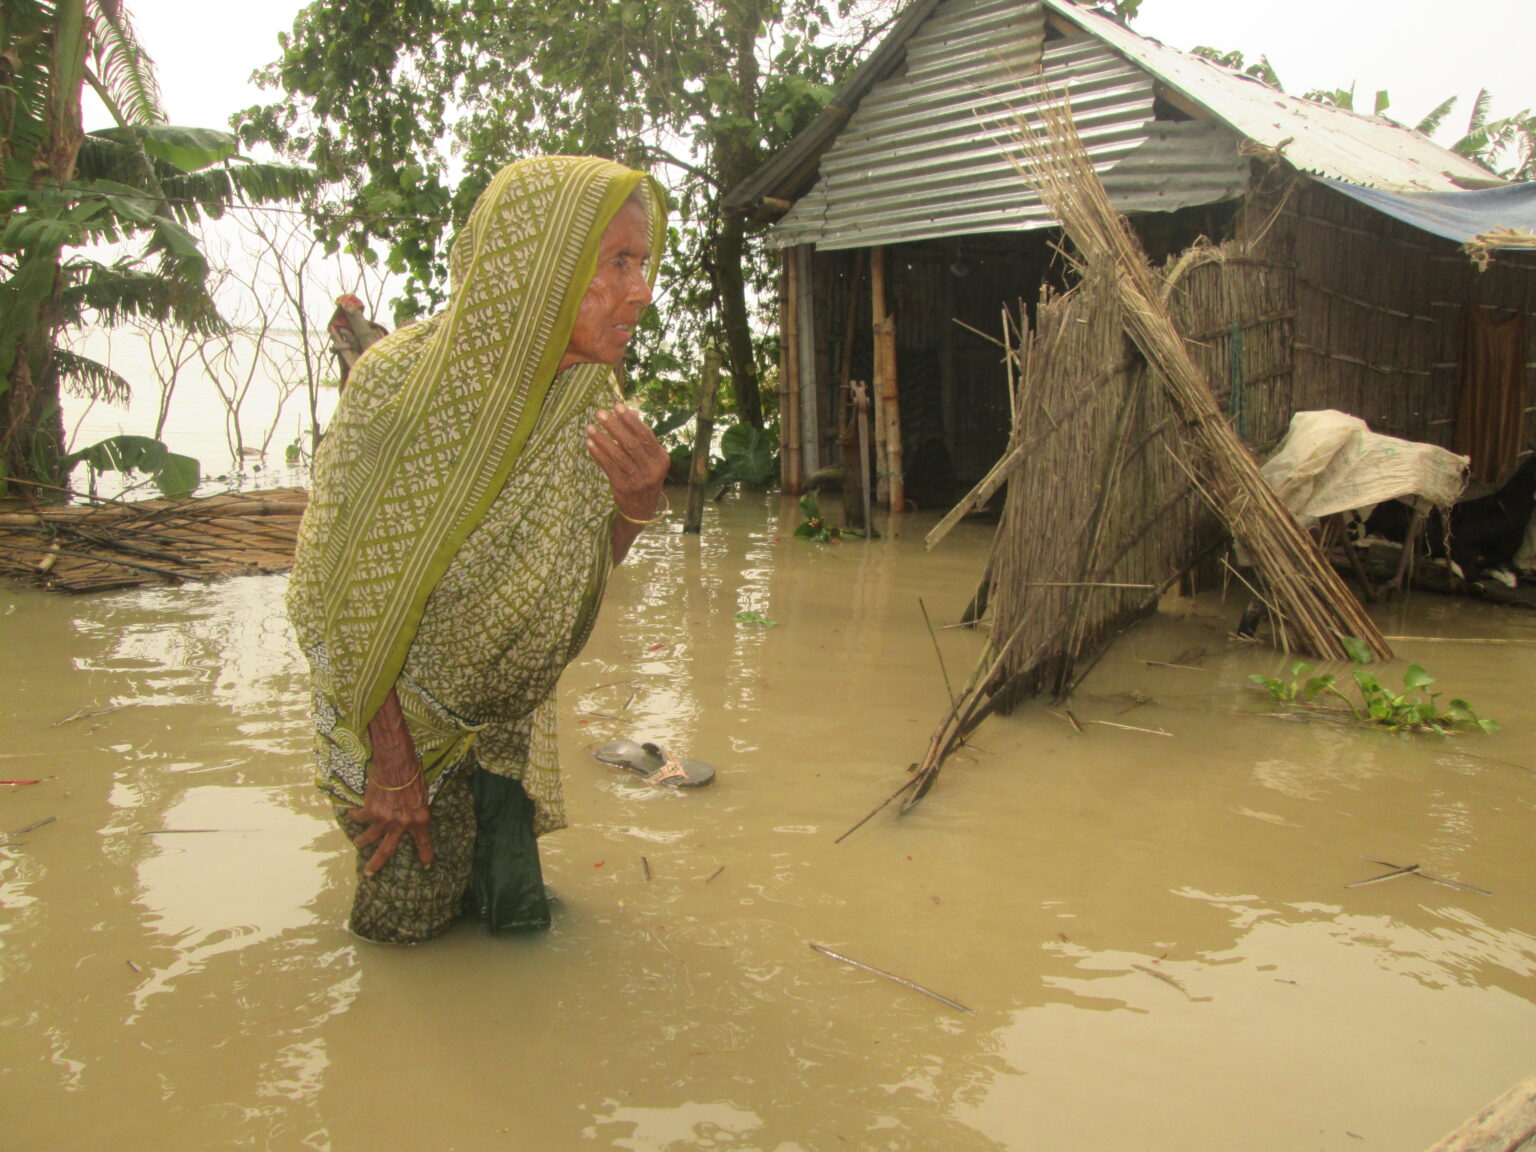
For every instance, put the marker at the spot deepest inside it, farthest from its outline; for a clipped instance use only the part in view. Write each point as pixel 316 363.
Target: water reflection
pixel 1153 932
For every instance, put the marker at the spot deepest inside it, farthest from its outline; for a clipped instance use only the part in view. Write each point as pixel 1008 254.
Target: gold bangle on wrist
pixel 396 787
pixel 665 509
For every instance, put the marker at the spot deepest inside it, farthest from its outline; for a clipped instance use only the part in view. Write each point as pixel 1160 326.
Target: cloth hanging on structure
pixel 1332 462
pixel 1490 418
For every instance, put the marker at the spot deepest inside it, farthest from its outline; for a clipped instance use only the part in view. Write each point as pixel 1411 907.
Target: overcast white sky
pixel 1420 52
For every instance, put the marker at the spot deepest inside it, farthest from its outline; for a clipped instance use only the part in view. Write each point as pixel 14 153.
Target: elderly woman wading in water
pixel 469 500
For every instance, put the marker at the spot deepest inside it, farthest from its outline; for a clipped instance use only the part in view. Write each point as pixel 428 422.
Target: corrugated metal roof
pixel 926 153
pixel 1318 138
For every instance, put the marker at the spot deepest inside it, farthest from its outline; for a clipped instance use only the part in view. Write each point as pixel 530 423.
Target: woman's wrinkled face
pixel 617 295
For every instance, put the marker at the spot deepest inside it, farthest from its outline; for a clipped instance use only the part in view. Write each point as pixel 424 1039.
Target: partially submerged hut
pixel 905 230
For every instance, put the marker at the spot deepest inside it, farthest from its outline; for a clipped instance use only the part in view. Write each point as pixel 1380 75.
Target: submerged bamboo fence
pixel 116 544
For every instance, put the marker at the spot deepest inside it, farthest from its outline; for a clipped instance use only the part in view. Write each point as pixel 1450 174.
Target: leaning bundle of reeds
pixel 1311 608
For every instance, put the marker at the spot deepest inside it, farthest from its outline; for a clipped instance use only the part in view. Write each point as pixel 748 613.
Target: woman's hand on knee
pixel 392 814
pixel 395 801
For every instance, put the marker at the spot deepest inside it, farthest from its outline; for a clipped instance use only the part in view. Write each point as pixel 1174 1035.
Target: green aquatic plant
pixel 756 618
pixel 1409 710
pixel 815 526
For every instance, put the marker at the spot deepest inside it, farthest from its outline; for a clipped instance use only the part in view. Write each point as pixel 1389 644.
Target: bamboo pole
pixel 845 368
pixel 703 434
pixel 877 326
pixel 887 399
pixel 790 470
pixel 861 414
pixel 805 377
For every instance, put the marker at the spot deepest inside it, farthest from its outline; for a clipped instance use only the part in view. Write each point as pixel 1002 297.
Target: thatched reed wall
pixel 1381 316
pixel 1102 515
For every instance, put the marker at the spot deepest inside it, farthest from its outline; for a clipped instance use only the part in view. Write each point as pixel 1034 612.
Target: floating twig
pixel 1392 875
pixel 955 1004
pixel 31 827
pixel 1430 876
pixel 83 713
pixel 943 671
pixel 715 873
pixel 1081 584
pixel 1458 640
pixel 645 867
pixel 134 966
pixel 912 782
pixel 1165 978
pixel 1066 714
pixel 1131 728
pixel 1171 664
pixel 608 684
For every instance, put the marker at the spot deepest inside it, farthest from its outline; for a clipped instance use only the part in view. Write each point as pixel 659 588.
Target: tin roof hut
pixel 1348 266
pixel 1367 304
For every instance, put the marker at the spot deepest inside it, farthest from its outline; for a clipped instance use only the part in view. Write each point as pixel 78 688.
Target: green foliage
pixel 815 526
pixel 173 474
pixel 64 190
pixel 1262 71
pixel 747 457
pixel 379 95
pixel 1506 146
pixel 756 618
pixel 1377 704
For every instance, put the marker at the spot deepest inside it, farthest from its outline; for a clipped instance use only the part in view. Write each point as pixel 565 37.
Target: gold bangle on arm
pixel 665 509
pixel 396 787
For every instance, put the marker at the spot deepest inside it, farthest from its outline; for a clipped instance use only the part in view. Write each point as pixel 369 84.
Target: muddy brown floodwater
pixel 1153 933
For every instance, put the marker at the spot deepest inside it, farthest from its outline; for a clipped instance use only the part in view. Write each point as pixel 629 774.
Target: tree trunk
pixel 731 291
pixel 31 424
pixel 735 158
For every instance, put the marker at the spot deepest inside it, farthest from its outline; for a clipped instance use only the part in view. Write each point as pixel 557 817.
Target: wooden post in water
pixel 887 402
pixel 881 489
pixel 703 434
pixel 791 472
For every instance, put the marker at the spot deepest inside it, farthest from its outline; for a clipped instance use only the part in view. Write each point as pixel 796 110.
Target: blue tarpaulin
pixel 1458 216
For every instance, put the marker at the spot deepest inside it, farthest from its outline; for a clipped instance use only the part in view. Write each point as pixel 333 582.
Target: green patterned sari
pixel 457 539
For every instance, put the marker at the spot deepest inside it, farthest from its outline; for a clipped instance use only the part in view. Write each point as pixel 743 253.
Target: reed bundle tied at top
pixel 1311 607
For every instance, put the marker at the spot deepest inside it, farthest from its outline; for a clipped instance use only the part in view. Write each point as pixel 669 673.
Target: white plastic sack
pixel 1332 462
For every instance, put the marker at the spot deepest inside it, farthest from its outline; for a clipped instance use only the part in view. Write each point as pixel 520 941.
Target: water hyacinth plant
pixel 1410 710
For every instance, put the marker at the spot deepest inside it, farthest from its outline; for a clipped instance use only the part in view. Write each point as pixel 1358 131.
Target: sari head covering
pixel 437 422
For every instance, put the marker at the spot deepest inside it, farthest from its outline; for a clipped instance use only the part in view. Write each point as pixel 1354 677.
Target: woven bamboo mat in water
pixel 117 544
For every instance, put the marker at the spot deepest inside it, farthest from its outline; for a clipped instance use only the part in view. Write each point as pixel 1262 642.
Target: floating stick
pixel 955 1004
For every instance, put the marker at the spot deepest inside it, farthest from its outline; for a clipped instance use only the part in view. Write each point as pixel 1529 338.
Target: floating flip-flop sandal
pixel 656 764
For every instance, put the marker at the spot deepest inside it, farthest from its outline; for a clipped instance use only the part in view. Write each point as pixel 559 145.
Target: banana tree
pixel 141 181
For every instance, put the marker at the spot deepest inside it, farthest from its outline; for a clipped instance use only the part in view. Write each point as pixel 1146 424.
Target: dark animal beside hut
pixel 1479 536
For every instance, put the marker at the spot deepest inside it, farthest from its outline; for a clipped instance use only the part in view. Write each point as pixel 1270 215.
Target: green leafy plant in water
pixel 756 618
pixel 747 456
pixel 1379 705
pixel 815 526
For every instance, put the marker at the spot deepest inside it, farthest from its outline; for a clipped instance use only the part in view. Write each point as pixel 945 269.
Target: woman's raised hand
pixel 631 457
